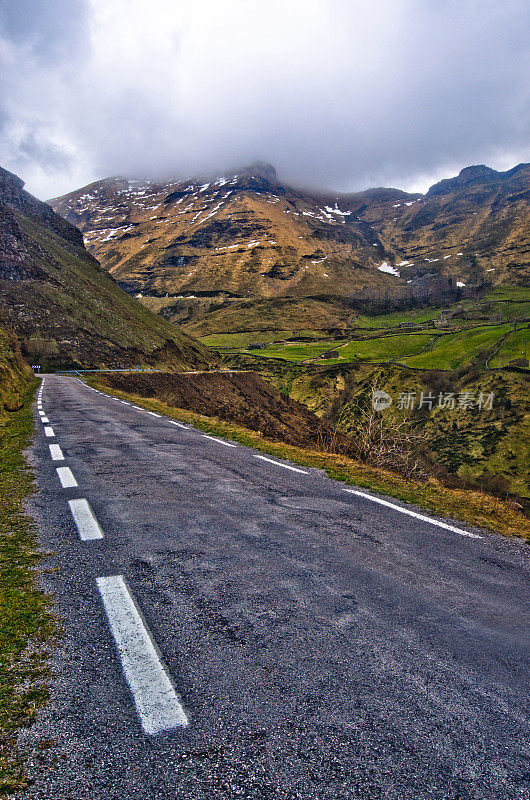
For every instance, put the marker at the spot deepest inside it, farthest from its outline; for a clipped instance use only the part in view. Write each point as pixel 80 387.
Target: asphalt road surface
pixel 235 628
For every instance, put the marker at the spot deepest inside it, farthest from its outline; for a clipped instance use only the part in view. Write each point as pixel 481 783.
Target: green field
pixel 451 350
pixel 398 317
pixel 298 352
pixel 474 325
pixel 514 346
pixel 244 338
pixel 424 350
pixel 382 348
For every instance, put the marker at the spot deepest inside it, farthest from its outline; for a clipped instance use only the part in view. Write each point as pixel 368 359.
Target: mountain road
pixel 237 626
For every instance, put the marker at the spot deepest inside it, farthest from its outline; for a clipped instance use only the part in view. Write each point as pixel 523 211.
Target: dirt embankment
pixel 240 397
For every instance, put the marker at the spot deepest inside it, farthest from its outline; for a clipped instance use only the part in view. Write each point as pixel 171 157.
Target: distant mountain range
pixel 248 235
pixel 61 308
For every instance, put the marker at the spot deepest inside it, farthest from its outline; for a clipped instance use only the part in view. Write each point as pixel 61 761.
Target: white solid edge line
pixel 56 453
pixel 48 431
pixel 279 464
pixel 87 525
pixel 154 695
pixel 414 514
pixel 219 441
pixel 178 424
pixel 66 477
pixel 153 413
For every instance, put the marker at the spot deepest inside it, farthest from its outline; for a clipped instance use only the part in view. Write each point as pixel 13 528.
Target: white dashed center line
pixel 414 514
pixel 86 523
pixel 66 477
pixel 56 452
pixel 48 431
pixel 219 441
pixel 154 695
pixel 285 466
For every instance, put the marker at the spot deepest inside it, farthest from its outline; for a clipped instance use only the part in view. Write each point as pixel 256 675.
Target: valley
pixel 320 292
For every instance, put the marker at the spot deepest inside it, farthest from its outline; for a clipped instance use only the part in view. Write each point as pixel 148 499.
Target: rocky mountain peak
pixel 476 172
pixel 259 169
pixel 466 177
pixel 13 195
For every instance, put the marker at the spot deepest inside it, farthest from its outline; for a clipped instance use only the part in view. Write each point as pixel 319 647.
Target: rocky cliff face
pixel 473 228
pixel 12 192
pixel 248 235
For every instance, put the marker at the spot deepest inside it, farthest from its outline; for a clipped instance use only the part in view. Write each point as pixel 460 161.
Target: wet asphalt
pixel 323 646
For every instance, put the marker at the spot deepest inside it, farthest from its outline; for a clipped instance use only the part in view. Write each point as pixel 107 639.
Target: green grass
pixel 452 350
pixel 381 348
pixel 243 339
pixel 395 318
pixel 471 507
pixel 513 347
pixel 511 293
pixel 297 352
pixel 384 348
pixel 26 624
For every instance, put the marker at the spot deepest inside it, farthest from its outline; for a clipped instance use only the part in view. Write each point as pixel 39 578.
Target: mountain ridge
pixel 479 220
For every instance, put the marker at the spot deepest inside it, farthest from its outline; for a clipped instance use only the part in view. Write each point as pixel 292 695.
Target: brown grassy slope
pixel 244 398
pixel 67 311
pixel 476 226
pixel 472 507
pixel 248 236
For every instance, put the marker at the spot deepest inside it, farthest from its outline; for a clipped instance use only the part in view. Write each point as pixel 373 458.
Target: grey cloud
pixel 334 93
pixel 49 29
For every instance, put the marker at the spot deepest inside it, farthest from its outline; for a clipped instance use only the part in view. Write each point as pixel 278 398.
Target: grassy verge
pixel 27 626
pixel 471 507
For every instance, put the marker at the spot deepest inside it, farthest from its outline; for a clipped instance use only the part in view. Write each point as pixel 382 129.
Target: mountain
pixel 64 308
pixel 246 233
pixel 245 246
pixel 243 234
pixel 474 227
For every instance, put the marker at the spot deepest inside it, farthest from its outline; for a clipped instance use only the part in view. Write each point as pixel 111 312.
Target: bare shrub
pixel 382 440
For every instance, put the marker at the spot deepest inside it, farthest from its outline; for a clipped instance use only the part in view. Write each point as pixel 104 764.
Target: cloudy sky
pixel 339 94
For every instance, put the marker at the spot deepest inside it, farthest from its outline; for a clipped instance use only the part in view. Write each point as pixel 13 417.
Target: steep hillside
pixel 247 236
pixel 14 374
pixel 66 310
pixel 472 228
